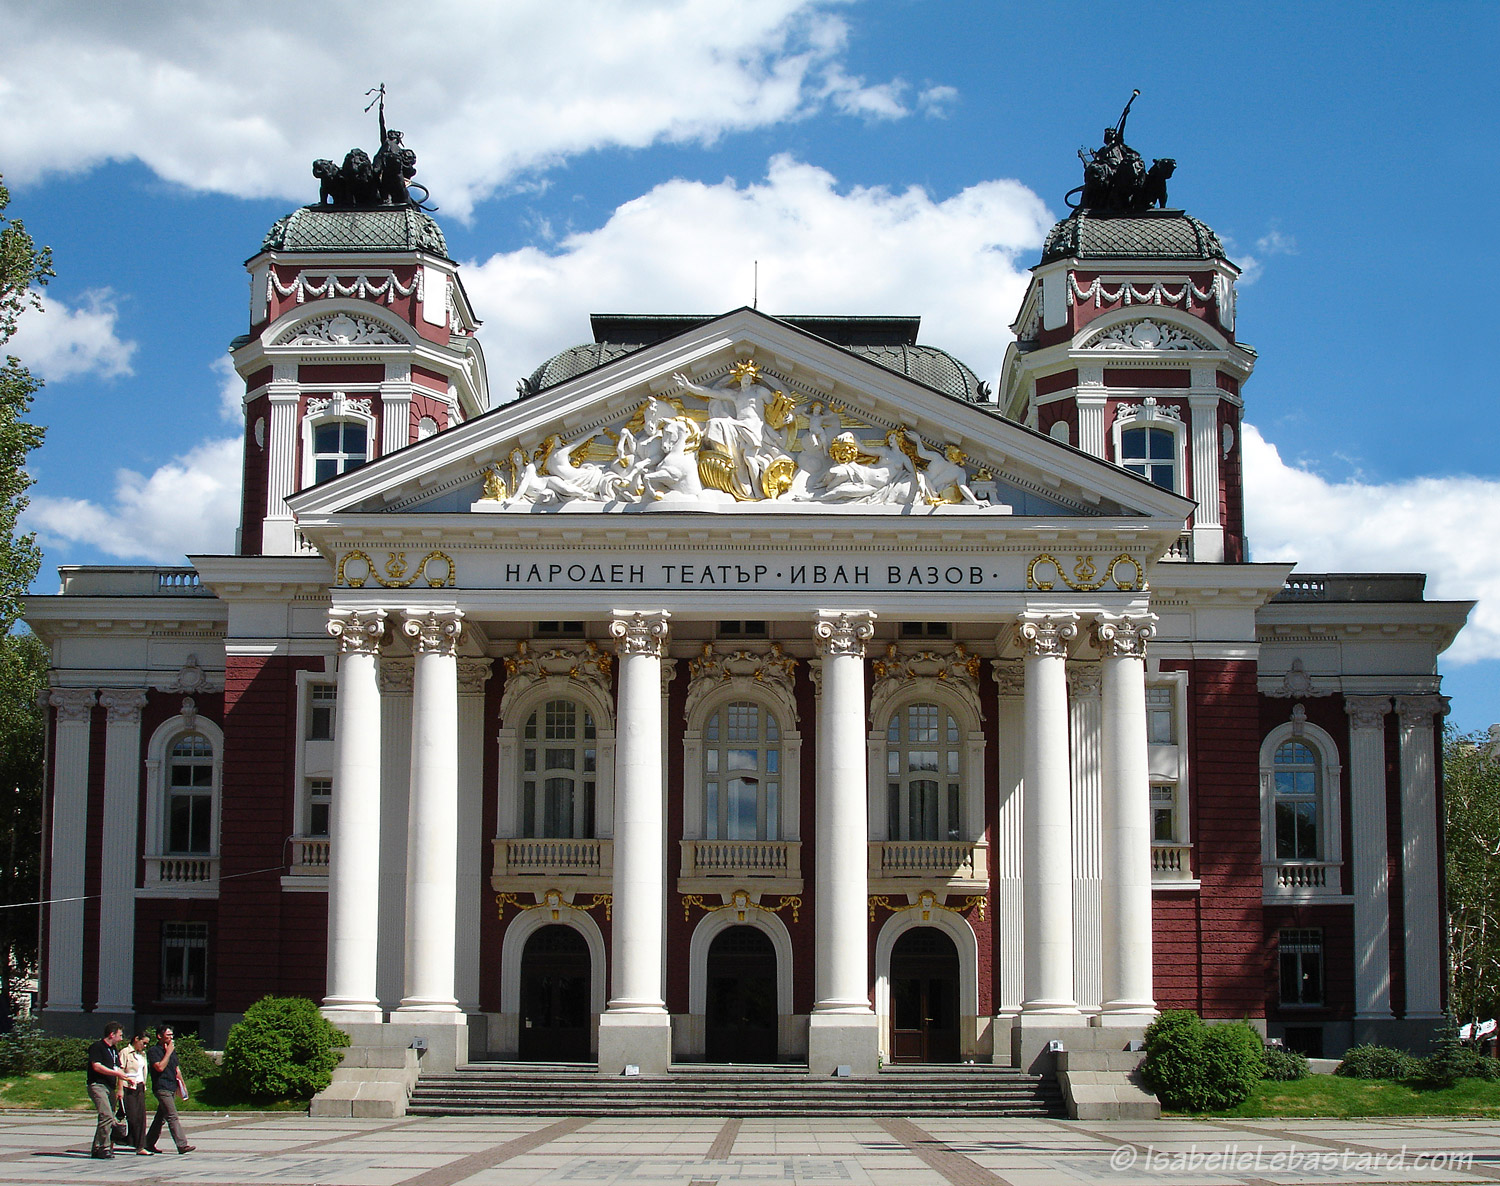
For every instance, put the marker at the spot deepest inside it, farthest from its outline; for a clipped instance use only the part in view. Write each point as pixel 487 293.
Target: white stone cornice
pixel 123 706
pixel 358 631
pixel 843 633
pixel 1046 634
pixel 434 631
pixel 640 632
pixel 1123 635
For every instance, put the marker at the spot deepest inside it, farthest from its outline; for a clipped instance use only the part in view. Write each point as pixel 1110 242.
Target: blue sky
pixel 891 156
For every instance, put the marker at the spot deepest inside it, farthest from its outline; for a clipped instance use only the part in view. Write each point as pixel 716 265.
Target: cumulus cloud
pixel 57 342
pixel 1424 524
pixel 691 247
pixel 190 504
pixel 240 98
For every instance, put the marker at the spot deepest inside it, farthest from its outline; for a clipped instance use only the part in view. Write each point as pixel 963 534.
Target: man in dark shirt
pixel 161 1059
pixel 104 1075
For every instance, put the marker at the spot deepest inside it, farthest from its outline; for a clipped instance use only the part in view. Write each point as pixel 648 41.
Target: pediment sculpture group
pixel 740 450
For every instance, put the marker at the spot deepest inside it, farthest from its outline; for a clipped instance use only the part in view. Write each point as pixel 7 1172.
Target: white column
pixel 1085 728
pixel 70 804
pixel 1419 855
pixel 354 821
pixel 122 787
pixel 432 819
pixel 279 533
pixel 1203 405
pixel 1125 819
pixel 395 408
pixel 842 1027
pixel 1047 978
pixel 1372 891
pixel 1089 398
pixel 472 880
pixel 635 1029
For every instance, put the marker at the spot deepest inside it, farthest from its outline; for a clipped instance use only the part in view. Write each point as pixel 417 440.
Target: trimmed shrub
pixel 1194 1067
pixel 1285 1066
pixel 1377 1062
pixel 192 1060
pixel 283 1049
pixel 61 1054
pixel 21 1047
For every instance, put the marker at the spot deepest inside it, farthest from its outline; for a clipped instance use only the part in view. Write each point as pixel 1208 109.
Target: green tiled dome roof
pixel 317 228
pixel 1154 234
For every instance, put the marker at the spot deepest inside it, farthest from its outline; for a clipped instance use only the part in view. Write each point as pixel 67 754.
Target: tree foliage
pixel 283 1049
pixel 1471 802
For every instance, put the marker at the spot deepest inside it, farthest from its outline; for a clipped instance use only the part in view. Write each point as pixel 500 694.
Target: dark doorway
pixel 555 996
pixel 924 997
pixel 741 1021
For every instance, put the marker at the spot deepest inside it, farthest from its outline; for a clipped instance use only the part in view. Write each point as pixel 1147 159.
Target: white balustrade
pixel 546 857
pixel 182 870
pixel 1299 878
pixel 1171 862
pixel 950 860
pixel 310 856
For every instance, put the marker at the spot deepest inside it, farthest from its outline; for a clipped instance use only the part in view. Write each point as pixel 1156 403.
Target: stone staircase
pixel 701 1089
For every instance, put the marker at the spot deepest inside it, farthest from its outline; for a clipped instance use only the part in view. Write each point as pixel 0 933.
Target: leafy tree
pixel 24 268
pixel 1471 802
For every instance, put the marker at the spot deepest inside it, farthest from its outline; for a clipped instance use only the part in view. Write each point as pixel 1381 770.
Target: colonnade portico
pixel 635 1028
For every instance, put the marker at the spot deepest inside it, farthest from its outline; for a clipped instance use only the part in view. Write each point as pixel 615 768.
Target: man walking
pixel 103 1075
pixel 166 1081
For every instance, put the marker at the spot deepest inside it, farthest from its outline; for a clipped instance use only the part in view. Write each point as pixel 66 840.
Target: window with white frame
pixel 742 773
pixel 1150 451
pixel 190 796
pixel 184 961
pixel 1161 715
pixel 1299 953
pixel 322 700
pixel 339 446
pixel 1296 784
pixel 924 774
pixel 319 804
pixel 1163 813
pixel 559 771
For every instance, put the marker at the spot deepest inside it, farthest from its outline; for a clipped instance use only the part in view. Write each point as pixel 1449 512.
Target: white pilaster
pixel 1419 855
pixel 1047 828
pixel 432 822
pixel 1125 821
pixel 70 802
pixel 1089 399
pixel 1008 845
pixel 395 408
pixel 1372 924
pixel 1203 406
pixel 122 782
pixel 279 532
pixel 354 821
pixel 635 1029
pixel 472 676
pixel 842 1029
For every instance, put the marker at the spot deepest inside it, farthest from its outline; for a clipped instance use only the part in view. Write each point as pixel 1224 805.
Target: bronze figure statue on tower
pixel 361 183
pixel 1115 178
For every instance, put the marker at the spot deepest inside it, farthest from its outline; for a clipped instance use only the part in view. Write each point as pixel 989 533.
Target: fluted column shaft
pixel 1125 817
pixel 122 774
pixel 841 978
pixel 70 803
pixel 1046 826
pixel 1419 855
pixel 1372 923
pixel 432 813
pixel 354 820
pixel 640 886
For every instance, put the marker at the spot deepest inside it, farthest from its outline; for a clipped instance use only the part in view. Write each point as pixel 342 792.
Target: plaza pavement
pixel 294 1150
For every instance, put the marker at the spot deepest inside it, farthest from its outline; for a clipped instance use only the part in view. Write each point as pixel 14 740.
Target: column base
pixel 1130 1016
pixel 419 1005
pixel 444 1036
pixel 344 1014
pixel 641 1040
pixel 843 1040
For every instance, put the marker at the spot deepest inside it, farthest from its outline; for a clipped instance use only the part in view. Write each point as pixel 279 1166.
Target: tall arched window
pixel 339 446
pixel 190 795
pixel 924 774
pixel 741 773
pixel 1296 781
pixel 559 771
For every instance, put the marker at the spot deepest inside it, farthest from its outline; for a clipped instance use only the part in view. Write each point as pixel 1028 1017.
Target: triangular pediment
pixel 742 415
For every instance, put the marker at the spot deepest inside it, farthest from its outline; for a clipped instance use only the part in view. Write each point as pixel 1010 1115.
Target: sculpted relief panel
pixel 738 441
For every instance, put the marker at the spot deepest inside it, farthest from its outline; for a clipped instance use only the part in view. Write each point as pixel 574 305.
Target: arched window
pixel 1296 780
pixel 339 446
pixel 741 773
pixel 1152 453
pixel 559 771
pixel 190 796
pixel 924 774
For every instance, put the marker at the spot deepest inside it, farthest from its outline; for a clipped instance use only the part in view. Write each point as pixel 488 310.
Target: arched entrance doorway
pixel 555 996
pixel 740 1025
pixel 924 997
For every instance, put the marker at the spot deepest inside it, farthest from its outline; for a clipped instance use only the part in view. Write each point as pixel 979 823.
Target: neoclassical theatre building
pixel 752 688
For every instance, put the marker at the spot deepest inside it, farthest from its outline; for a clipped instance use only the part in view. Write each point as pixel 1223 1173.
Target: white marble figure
pixel 594 482
pixel 944 473
pixel 635 454
pixel 815 460
pixel 531 486
pixel 676 475
pixel 738 427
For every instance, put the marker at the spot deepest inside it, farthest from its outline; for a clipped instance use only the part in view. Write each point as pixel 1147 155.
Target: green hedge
pixel 1194 1067
pixel 283 1049
pixel 1377 1062
pixel 1286 1066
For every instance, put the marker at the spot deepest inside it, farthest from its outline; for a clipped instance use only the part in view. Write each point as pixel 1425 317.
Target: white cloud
pixel 56 342
pixel 934 101
pixel 1426 525
pixel 689 247
pixel 241 98
pixel 231 389
pixel 1276 242
pixel 191 504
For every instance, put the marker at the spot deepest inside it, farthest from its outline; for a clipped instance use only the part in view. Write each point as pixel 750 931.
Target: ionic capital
pixel 840 633
pixel 1418 711
pixel 434 632
pixel 1367 712
pixel 72 704
pixel 124 707
pixel 640 632
pixel 358 630
pixel 1123 636
pixel 1047 635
